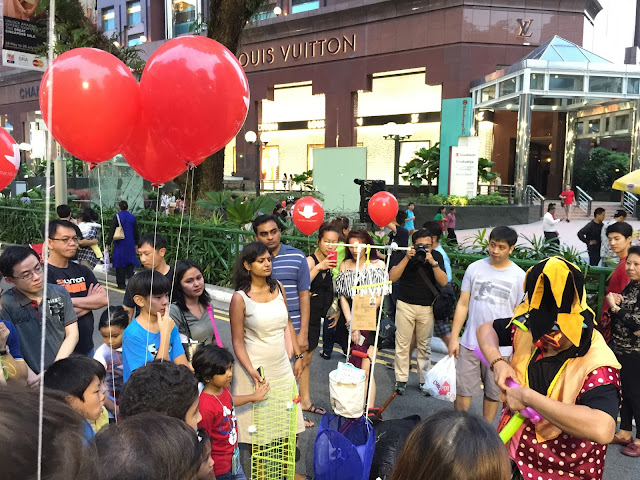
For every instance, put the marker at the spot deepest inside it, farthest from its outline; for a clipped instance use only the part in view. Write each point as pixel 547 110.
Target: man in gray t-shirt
pixel 22 305
pixel 491 289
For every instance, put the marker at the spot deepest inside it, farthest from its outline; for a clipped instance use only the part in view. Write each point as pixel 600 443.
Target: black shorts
pixel 319 306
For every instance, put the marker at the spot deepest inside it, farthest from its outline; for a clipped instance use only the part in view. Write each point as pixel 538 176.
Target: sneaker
pixel 326 356
pixel 400 387
pixel 391 365
pixel 424 391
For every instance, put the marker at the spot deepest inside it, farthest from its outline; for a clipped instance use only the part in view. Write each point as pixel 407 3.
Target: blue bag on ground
pixel 343 449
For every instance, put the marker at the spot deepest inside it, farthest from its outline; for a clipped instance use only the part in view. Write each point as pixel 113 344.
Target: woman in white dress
pixel 259 318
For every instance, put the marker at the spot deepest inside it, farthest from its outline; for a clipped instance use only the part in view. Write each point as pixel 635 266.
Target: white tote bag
pixel 441 379
pixel 347 391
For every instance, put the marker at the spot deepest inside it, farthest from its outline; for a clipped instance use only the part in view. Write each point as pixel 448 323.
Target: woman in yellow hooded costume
pixel 567 372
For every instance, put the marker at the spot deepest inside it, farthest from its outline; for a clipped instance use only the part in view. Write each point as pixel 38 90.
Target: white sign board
pixel 463 169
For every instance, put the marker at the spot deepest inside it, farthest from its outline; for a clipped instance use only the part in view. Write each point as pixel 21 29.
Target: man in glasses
pixel 22 306
pixel 86 293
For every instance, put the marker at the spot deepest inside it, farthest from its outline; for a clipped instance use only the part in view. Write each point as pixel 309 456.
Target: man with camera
pixel 417 274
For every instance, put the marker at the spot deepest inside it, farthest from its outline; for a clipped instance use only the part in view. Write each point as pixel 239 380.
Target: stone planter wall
pixel 481 216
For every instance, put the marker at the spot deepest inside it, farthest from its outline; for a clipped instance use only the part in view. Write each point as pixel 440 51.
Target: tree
pixel 423 167
pixel 601 169
pixel 484 172
pixel 74 30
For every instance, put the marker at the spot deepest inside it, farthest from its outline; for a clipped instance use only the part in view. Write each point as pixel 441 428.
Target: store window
pixel 572 83
pixel 605 84
pixel 134 13
pixel 134 40
pixel 594 126
pixel 622 123
pixel 108 19
pixel 298 6
pixel 184 14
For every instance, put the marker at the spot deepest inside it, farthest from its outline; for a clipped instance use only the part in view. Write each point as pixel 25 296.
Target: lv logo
pixel 523 27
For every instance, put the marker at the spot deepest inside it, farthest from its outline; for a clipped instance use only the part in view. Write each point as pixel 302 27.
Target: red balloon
pixel 151 157
pixel 383 208
pixel 308 215
pixel 9 158
pixel 95 103
pixel 195 94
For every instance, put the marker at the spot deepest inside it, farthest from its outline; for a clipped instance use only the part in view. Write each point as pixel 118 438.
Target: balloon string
pixel 106 282
pixel 153 262
pixel 175 264
pixel 45 251
pixel 190 208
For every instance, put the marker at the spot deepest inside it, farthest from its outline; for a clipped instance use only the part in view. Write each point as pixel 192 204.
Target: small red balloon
pixel 308 215
pixel 151 157
pixel 95 103
pixel 9 158
pixel 383 208
pixel 195 94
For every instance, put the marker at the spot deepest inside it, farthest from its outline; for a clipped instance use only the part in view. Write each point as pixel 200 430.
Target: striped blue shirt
pixel 290 267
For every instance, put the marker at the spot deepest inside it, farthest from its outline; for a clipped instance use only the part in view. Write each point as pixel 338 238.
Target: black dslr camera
pixel 421 252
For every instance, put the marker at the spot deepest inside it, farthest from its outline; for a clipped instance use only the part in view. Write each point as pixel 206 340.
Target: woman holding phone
pixel 321 262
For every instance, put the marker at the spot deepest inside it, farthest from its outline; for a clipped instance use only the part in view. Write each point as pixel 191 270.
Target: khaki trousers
pixel 410 318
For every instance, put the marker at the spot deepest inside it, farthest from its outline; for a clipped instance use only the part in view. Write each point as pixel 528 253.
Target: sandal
pixel 314 409
pixel 308 423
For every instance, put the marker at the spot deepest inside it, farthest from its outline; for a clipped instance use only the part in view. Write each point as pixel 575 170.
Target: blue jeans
pixel 229 476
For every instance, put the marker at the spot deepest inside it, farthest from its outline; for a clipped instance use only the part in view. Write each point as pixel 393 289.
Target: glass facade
pixel 134 40
pixel 108 19
pixel 536 82
pixel 605 84
pixel 298 6
pixel 508 86
pixel 134 13
pixel 566 82
pixel 184 14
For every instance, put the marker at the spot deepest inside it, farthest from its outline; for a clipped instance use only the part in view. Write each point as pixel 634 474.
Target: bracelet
pixel 299 356
pixel 499 359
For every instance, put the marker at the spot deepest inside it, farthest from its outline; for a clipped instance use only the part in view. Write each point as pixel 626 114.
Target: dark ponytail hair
pixel 178 294
pixel 241 276
pixel 328 227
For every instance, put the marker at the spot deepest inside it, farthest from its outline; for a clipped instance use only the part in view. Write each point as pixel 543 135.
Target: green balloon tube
pixel 511 427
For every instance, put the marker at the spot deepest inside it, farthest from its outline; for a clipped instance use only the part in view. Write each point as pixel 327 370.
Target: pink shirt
pixel 451 220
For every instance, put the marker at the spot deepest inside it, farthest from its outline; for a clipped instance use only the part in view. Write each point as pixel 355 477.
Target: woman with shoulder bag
pixel 124 235
pixel 191 309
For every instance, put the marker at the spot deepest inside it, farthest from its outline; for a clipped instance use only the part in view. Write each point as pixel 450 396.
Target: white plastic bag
pixel 441 379
pixel 106 262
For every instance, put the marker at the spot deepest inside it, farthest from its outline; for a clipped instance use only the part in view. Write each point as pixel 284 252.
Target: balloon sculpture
pixel 308 215
pixel 383 208
pixel 9 158
pixel 94 100
pixel 195 95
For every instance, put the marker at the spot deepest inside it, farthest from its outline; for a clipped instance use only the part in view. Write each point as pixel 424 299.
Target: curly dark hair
pixel 159 386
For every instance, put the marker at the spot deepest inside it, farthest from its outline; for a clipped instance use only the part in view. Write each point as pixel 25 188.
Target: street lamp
pixel 397 133
pixel 252 138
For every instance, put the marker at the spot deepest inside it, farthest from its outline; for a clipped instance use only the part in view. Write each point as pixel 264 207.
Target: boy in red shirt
pixel 567 197
pixel 212 366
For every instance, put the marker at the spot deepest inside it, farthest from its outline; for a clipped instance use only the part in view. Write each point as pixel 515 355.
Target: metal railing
pixel 630 203
pixel 506 191
pixel 584 201
pixel 532 196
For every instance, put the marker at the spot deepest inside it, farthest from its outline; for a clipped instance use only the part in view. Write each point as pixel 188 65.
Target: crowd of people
pixel 162 397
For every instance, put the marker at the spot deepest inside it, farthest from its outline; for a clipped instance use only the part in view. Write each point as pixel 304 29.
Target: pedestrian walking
pixel 451 225
pixel 550 225
pixel 591 235
pixel 567 197
pixel 123 258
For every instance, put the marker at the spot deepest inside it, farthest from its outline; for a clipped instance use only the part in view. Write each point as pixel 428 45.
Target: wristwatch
pixel 434 265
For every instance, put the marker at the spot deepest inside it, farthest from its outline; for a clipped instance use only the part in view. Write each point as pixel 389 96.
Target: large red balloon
pixel 9 158
pixel 383 208
pixel 195 94
pixel 151 157
pixel 308 215
pixel 95 103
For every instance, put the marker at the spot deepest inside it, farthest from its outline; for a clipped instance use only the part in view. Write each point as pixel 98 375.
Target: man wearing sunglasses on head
pixel 569 376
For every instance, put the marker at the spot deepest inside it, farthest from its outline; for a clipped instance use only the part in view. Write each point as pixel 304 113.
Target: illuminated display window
pixel 108 19
pixel 298 6
pixel 184 14
pixel 134 13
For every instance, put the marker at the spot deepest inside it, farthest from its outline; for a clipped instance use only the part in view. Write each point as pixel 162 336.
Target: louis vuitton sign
pixel 323 48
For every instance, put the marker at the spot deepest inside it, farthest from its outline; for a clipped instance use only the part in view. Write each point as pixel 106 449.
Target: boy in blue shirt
pixel 152 335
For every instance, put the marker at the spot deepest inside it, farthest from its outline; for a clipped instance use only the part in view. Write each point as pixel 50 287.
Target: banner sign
pixel 21 35
pixel 463 168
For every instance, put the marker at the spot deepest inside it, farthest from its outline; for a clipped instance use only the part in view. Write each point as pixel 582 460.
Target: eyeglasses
pixel 29 275
pixel 66 239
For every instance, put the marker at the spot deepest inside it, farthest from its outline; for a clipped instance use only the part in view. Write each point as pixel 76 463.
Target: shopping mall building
pixel 334 73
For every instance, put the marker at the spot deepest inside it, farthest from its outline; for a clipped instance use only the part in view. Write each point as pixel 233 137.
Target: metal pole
pixel 569 149
pixel 60 177
pixel 396 165
pixel 258 169
pixel 523 141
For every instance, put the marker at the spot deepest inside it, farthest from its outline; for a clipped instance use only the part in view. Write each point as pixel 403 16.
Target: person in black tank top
pixel 320 264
